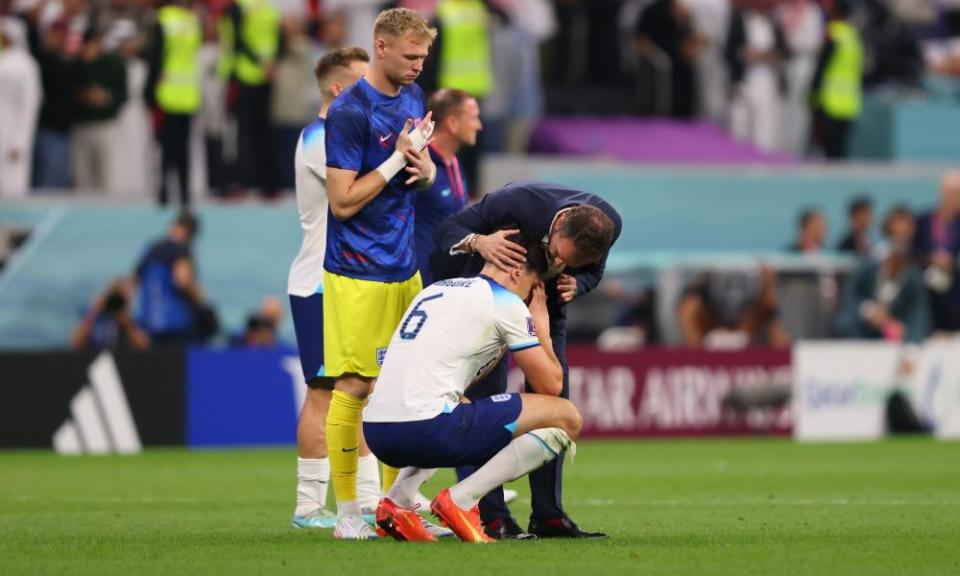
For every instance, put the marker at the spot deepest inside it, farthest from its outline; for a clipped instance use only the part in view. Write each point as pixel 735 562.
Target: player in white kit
pixel 335 71
pixel 418 419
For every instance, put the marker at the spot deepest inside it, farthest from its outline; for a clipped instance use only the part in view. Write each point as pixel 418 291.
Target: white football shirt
pixel 310 166
pixel 451 332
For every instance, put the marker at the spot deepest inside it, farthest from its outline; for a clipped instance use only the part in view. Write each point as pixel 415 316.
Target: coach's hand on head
pixel 496 249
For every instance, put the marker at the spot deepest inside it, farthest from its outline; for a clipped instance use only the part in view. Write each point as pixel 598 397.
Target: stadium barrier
pixel 842 389
pixel 80 402
pixel 116 402
pixel 673 217
pixel 655 393
pixel 84 402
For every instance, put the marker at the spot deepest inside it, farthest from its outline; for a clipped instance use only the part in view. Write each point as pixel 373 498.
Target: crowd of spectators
pixel 759 65
pixel 78 103
pixel 78 108
pixel 904 287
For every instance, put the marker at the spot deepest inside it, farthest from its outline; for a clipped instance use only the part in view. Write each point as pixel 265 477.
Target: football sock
pixel 313 477
pixel 523 455
pixel 368 481
pixel 343 443
pixel 408 482
pixel 389 477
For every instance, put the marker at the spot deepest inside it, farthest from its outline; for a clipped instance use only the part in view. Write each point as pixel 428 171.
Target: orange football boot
pixel 464 523
pixel 401 523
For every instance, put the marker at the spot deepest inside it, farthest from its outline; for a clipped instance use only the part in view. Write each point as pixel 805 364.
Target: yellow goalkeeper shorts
pixel 359 318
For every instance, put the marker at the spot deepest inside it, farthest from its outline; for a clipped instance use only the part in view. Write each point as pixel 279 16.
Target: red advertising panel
pixel 679 392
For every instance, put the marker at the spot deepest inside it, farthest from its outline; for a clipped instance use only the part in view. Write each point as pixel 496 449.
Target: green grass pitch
pixel 682 507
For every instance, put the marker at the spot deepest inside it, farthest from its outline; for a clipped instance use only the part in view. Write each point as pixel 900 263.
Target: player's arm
pixel 349 194
pixel 184 279
pixel 540 364
pixel 81 334
pixel 315 162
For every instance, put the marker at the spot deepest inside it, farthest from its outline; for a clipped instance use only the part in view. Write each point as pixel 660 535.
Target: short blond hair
pixel 399 22
pixel 339 58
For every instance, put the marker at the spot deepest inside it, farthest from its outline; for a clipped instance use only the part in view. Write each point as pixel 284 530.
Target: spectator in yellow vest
pixel 173 88
pixel 837 85
pixel 461 60
pixel 256 43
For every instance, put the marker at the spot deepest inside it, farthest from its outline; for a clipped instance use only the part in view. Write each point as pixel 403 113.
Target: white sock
pixel 523 455
pixel 408 483
pixel 368 481
pixel 313 478
pixel 348 508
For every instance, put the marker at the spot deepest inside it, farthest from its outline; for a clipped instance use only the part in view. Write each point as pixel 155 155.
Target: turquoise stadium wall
pixel 244 250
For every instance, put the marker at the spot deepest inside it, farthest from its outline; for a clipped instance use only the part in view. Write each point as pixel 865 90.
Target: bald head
pixel 271 309
pixel 950 192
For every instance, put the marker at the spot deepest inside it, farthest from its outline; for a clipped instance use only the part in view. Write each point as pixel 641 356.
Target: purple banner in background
pixel 648 141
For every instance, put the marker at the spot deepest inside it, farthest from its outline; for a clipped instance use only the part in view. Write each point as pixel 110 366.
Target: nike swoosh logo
pixel 385 138
pixel 349 449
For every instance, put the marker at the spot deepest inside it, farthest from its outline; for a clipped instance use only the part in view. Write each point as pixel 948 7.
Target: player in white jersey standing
pixel 418 419
pixel 334 72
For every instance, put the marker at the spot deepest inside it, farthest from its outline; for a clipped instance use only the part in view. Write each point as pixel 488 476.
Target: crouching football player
pixel 418 419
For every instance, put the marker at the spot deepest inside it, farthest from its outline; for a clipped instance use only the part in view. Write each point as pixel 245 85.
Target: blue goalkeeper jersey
pixel 362 127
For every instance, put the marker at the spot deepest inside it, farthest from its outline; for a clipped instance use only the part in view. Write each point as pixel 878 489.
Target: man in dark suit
pixel 860 217
pixel 577 230
pixel 936 247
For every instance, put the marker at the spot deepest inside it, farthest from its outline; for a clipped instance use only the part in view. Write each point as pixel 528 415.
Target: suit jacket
pixel 851 243
pixel 924 244
pixel 910 306
pixel 531 207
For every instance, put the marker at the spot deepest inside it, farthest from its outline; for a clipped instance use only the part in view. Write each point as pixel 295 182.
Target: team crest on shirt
pixel 381 354
pixel 530 327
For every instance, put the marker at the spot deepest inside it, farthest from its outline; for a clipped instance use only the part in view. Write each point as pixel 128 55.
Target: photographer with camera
pixel 108 324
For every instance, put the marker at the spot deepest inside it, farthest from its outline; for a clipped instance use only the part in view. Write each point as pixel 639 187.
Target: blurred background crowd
pixel 95 104
pixel 902 286
pixel 80 109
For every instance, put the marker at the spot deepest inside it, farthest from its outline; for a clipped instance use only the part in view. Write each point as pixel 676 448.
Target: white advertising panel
pixel 935 387
pixel 841 389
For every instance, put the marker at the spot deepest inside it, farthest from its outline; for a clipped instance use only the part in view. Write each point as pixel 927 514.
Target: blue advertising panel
pixel 243 397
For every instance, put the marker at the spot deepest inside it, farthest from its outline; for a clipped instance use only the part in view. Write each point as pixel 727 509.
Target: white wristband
pixel 392 165
pixel 419 139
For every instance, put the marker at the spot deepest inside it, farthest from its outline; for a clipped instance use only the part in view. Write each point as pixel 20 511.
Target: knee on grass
pixel 556 439
pixel 570 420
